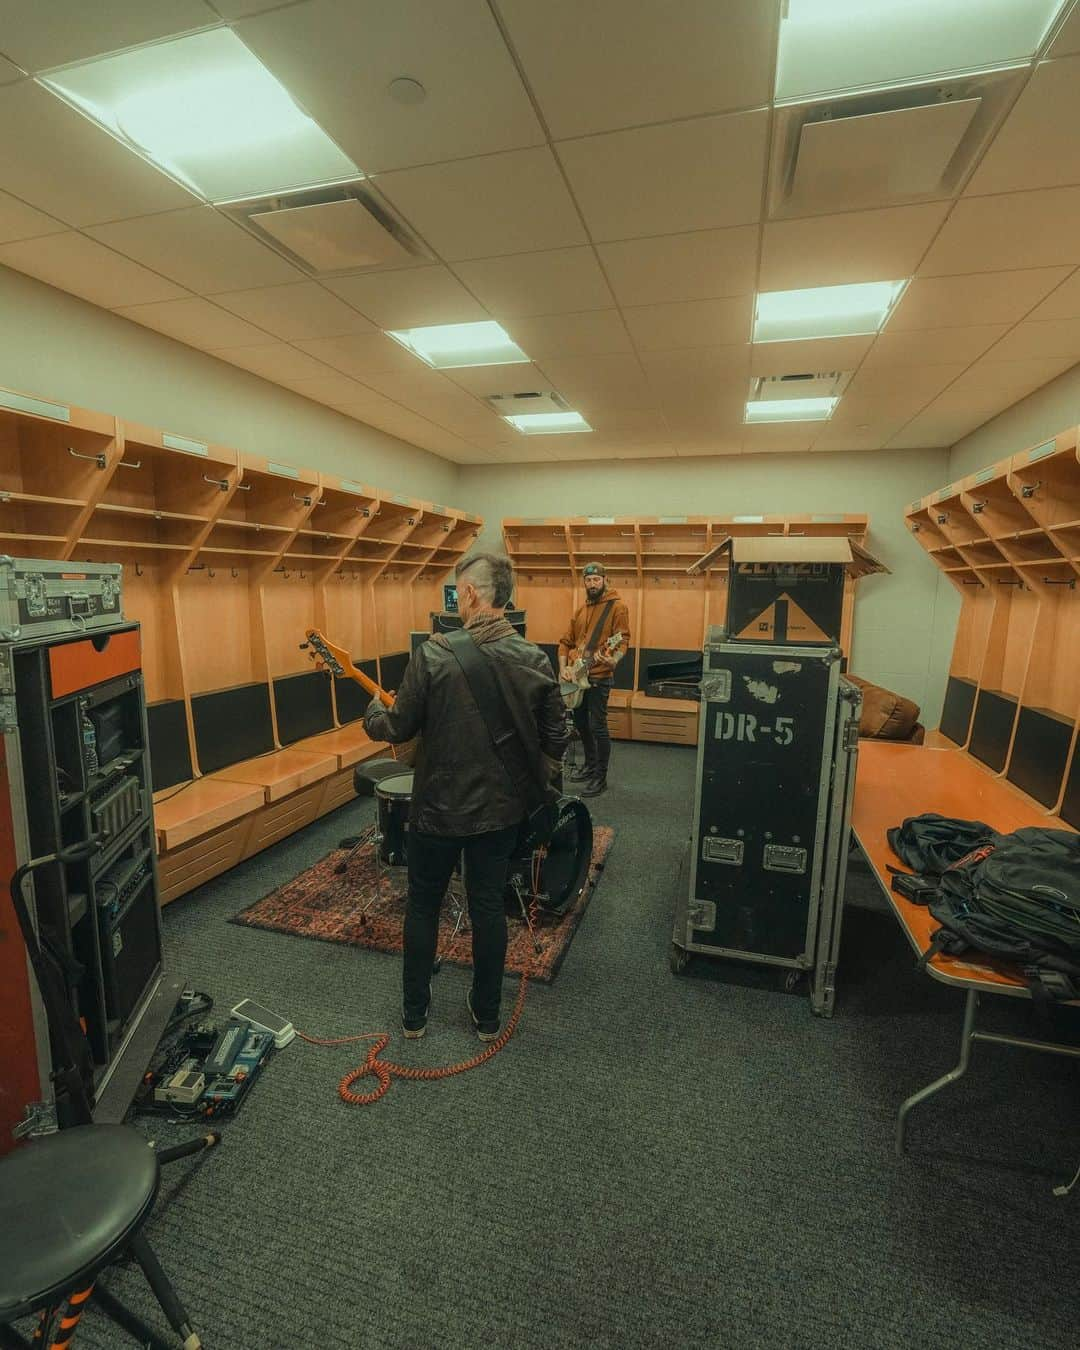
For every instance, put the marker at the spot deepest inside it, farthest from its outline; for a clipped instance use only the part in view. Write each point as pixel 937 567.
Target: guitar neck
pixel 365 682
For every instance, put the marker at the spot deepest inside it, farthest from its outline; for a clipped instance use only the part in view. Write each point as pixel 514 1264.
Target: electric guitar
pixel 579 664
pixel 338 662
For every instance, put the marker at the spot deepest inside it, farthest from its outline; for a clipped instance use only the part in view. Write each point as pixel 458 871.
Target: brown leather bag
pixel 887 716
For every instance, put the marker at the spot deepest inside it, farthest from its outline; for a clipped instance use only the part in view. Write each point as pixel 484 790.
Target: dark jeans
pixel 431 864
pixel 590 719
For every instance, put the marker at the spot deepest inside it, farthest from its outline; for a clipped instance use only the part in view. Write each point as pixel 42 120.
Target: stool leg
pixel 147 1337
pixel 57 1325
pixel 164 1292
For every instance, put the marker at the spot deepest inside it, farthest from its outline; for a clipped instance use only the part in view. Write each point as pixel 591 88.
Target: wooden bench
pixel 672 721
pixel 895 781
pixel 215 822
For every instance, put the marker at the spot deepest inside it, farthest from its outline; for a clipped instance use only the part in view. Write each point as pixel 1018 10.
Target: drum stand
pixel 356 842
pixel 516 887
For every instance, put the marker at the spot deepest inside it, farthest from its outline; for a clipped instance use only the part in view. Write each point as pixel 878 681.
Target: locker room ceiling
pixel 613 181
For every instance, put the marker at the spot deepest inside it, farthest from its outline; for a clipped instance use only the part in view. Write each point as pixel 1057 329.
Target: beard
pixel 594 597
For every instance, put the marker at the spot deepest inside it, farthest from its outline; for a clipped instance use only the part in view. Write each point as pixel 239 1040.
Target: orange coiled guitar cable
pixel 385 1070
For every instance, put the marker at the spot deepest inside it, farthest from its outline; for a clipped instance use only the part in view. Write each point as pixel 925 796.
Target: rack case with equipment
pixel 776 771
pixel 75 768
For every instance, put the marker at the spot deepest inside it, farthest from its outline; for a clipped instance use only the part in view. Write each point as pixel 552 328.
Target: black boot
pixel 585 774
pixel 595 787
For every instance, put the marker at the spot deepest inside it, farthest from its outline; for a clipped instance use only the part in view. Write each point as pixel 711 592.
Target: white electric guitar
pixel 579 664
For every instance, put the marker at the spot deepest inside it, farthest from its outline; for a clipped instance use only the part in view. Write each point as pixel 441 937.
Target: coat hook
pixel 233 572
pixel 303 575
pixel 210 572
pixel 138 569
pixel 222 484
pixel 98 459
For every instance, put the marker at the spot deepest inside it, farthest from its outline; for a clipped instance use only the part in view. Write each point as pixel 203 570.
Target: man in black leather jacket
pixel 463 798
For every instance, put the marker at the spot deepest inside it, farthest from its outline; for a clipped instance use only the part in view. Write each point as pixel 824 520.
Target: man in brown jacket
pixel 600 654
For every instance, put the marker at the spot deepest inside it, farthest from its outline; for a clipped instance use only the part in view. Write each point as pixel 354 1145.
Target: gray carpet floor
pixel 652 1161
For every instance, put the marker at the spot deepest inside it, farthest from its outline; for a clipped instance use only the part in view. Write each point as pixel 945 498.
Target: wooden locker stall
pixel 228 558
pixel 1009 539
pixel 647 559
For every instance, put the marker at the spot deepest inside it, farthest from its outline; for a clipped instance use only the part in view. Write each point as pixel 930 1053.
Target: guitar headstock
pixel 336 659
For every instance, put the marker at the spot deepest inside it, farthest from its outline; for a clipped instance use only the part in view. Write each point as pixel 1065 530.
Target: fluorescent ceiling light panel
pixel 790 409
pixel 207 111
pixel 549 424
pixel 824 311
pixel 449 346
pixel 832 45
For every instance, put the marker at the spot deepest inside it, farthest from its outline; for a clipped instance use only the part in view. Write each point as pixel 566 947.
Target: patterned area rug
pixel 325 904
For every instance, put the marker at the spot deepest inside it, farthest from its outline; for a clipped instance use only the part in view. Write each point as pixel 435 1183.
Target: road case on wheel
pixel 768 849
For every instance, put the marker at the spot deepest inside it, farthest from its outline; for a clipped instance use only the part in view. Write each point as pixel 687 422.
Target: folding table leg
pixel 966 1038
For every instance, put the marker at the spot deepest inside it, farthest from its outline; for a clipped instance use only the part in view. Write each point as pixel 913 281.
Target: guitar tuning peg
pixel 304 646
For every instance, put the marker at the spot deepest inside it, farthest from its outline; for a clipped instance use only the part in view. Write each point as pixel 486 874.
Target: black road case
pixel 778 738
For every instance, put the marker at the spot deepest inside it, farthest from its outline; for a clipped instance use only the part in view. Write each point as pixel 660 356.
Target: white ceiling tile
pixel 932 346
pixel 196 322
pixel 1038 146
pixel 62 163
pixel 243 9
pixel 87 269
pixel 1068 39
pixel 981 392
pixel 704 265
pixel 1063 303
pixel 595 332
pixel 989 297
pixel 856 246
pixel 995 234
pixel 485 207
pixel 852 438
pixel 779 437
pixel 42 36
pixel 704 447
pixel 690 323
pixel 506 379
pixel 300 310
pixel 694 175
pixel 199 249
pixel 338 61
pixel 333 390
pixel 365 403
pixel 1034 341
pixel 556 281
pixel 599 382
pixel 361 356
pixel 276 361
pixel 879 395
pixel 19 221
pixel 413 297
pixel 418 381
pixel 458 413
pixel 813 355
pixel 610 64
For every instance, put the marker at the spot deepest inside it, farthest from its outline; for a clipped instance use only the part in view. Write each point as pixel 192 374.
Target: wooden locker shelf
pixel 228 558
pixel 647 559
pixel 1013 699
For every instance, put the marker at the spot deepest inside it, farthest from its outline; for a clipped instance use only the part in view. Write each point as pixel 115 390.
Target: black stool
pixel 71 1204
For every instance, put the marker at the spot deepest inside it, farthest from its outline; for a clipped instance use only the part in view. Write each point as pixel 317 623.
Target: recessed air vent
pixel 527 404
pixel 831 384
pixel 326 231
pixel 884 147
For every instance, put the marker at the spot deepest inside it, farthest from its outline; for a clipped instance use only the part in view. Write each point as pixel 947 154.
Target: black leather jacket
pixel 460 786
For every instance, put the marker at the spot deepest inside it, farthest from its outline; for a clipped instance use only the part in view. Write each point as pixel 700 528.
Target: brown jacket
pixel 580 630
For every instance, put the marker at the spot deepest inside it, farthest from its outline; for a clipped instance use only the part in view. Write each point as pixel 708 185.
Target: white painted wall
pixel 904 622
pixel 1034 419
pixel 61 348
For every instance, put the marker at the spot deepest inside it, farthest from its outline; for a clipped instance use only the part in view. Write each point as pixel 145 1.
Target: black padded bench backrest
pixel 170 754
pixel 657 656
pixel 231 725
pixel 351 699
pixel 303 705
pixel 392 668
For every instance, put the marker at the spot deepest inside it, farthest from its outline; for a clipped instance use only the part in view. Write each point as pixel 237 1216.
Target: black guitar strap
pixel 598 628
pixel 507 744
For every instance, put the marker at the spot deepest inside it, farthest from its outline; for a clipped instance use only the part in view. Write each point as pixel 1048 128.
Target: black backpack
pixel 1017 898
pixel 930 843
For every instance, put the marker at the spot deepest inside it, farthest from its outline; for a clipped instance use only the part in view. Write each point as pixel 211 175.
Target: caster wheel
pixel 793 981
pixel 678 959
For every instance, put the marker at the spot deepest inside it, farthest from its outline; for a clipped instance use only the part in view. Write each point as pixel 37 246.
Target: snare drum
pixel 393 797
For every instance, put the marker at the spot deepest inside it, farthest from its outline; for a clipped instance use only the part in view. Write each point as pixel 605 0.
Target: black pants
pixel 431 862
pixel 590 719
